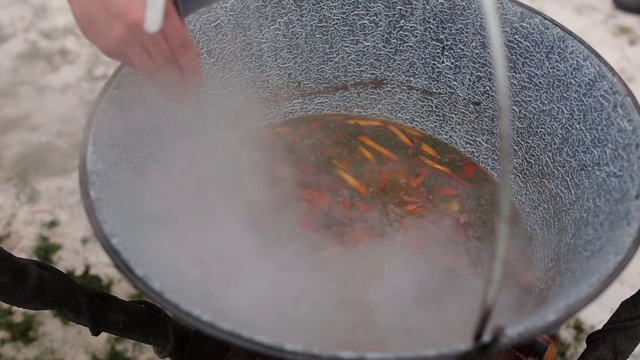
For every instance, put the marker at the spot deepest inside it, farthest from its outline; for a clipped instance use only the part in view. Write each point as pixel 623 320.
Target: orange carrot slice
pixel 377 147
pixel 413 132
pixel 412 206
pixel 429 150
pixel 367 154
pixel 352 181
pixel 436 166
pixel 365 122
pixel 339 164
pixel 400 135
pixel 416 211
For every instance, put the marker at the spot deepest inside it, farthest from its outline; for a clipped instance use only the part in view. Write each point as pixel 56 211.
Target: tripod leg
pixel 619 337
pixel 34 285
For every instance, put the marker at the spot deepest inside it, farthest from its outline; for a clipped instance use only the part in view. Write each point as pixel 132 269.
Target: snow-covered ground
pixel 49 76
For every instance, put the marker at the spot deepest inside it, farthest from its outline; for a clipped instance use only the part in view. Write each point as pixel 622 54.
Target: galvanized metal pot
pixel 425 63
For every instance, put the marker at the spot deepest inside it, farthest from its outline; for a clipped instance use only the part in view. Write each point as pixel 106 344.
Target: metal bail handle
pixel 503 99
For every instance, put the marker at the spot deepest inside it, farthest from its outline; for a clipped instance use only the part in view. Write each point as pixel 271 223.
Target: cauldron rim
pixel 289 351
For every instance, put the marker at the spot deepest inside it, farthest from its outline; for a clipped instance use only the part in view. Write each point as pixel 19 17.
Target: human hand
pixel 168 59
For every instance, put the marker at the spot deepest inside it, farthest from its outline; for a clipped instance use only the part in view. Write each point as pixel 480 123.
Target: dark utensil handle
pixel 188 7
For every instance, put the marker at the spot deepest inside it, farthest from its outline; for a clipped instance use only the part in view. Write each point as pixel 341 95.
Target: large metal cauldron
pixel 425 63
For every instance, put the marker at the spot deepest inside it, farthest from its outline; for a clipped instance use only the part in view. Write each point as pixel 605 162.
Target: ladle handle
pixel 188 7
pixel 154 11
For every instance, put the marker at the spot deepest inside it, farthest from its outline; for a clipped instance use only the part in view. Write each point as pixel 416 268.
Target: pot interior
pixel 425 64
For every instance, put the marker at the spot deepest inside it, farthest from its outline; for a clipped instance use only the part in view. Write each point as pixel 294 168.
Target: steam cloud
pixel 225 251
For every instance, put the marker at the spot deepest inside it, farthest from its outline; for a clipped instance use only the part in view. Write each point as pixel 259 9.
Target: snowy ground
pixel 49 77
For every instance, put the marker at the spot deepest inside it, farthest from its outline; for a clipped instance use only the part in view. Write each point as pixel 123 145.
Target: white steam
pixel 226 251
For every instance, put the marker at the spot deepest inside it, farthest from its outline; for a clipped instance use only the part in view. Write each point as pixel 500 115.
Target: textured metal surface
pixel 576 127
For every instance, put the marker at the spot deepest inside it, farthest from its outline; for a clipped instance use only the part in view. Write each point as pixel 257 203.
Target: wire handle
pixel 501 80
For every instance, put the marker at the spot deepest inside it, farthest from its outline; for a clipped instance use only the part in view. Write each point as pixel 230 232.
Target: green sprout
pixel 138 296
pixel 113 353
pixel 91 280
pixel 45 250
pixel 22 331
pixel 52 224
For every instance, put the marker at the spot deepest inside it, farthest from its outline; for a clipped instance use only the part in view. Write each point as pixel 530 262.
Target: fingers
pixel 168 59
pixel 169 75
pixel 186 52
pixel 166 79
pixel 161 52
pixel 141 60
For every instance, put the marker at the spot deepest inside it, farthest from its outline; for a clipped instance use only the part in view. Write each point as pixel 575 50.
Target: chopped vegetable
pixel 367 154
pixel 365 122
pixel 353 182
pixel 429 150
pixel 353 196
pixel 400 135
pixel 377 147
pixel 435 165
pixel 413 132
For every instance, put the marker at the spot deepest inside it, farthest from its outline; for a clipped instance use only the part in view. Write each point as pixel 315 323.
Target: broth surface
pixel 376 194
pixel 361 179
pixel 338 232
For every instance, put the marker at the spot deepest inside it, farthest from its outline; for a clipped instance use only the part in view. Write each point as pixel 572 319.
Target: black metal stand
pixel 34 285
pixel 632 6
pixel 619 336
